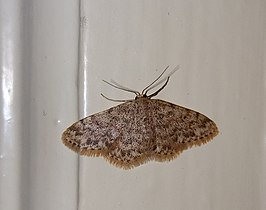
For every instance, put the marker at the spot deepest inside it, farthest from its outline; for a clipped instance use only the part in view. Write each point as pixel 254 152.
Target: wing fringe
pixel 140 160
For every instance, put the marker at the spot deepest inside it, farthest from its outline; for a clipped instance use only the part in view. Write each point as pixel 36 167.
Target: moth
pixel 140 130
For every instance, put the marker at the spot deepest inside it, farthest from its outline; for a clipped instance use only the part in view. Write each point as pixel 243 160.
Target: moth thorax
pixel 141 96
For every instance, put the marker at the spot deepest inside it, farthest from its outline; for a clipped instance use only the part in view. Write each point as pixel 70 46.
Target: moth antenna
pixel 115 100
pixel 116 85
pixel 161 81
pixel 142 93
pixel 125 88
pixel 154 94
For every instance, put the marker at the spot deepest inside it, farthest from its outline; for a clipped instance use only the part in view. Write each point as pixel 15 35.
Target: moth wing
pixel 93 135
pixel 116 134
pixel 178 128
pixel 135 132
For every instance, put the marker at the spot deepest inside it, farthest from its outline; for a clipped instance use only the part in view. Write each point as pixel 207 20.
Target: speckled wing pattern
pixel 138 131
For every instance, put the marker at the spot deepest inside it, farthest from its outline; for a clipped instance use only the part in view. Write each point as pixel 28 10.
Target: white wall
pixel 39 63
pixel 51 71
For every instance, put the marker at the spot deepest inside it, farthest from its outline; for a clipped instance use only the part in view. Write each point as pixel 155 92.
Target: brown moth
pixel 139 130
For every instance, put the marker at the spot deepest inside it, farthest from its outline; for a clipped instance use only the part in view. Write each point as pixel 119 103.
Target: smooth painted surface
pixel 38 98
pixel 47 83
